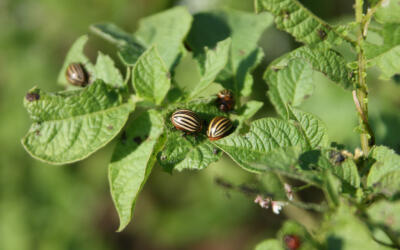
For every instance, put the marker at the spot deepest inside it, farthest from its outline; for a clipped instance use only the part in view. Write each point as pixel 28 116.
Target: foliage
pixel 70 125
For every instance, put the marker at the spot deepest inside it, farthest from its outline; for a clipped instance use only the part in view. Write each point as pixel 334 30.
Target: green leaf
pixel 388 12
pixel 132 162
pixel 240 79
pixel 167 31
pixel 247 111
pixel 213 62
pixel 150 77
pixel 346 232
pixel 272 186
pixel 270 244
pixel 290 77
pixel 129 47
pixel 385 56
pixel 385 172
pixel 387 215
pixel 346 171
pixel 250 151
pixel 327 61
pixel 130 54
pixel 76 55
pixel 245 29
pixel 285 161
pixel 282 160
pixel 106 71
pixel 312 128
pixel 290 85
pixel 331 187
pixel 185 153
pixel 292 17
pixel 69 126
pixel 386 161
pixel 113 34
pixel 194 151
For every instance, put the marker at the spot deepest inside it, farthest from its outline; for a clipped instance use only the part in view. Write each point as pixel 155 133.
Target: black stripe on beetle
pixel 219 127
pixel 77 75
pixel 186 120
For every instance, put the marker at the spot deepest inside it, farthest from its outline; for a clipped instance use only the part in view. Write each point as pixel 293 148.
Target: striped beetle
pixel 77 75
pixel 219 127
pixel 225 100
pixel 186 120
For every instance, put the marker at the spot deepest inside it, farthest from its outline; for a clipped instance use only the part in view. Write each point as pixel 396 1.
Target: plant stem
pixel 310 206
pixel 297 189
pixel 367 137
pixel 128 75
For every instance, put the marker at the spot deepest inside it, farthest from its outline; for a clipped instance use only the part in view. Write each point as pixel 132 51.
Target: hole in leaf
pixel 322 34
pixel 285 14
pixel 137 139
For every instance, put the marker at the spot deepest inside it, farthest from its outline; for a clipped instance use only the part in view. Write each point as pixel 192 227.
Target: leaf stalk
pixel 361 90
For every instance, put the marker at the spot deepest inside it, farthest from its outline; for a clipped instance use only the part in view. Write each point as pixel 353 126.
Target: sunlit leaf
pixel 386 56
pixel 292 17
pixel 245 30
pixel 113 34
pixel 129 48
pixel 76 55
pixel 132 162
pixel 211 64
pixel 106 71
pixel 289 86
pixel 150 77
pixel 69 126
pixel 388 12
pixel 313 129
pixel 385 172
pixel 166 30
pixel 251 150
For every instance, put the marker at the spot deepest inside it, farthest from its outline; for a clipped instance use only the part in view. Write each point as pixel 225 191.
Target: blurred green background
pixel 69 207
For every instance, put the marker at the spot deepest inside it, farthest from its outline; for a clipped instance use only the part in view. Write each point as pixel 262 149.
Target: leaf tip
pixel 122 226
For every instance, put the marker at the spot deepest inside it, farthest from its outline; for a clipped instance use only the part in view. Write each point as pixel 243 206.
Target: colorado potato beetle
pixel 225 100
pixel 186 120
pixel 219 127
pixel 292 241
pixel 77 75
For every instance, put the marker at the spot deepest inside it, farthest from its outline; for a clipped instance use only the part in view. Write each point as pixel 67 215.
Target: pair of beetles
pixel 220 126
pixel 183 119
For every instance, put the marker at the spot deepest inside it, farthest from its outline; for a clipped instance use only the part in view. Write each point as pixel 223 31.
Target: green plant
pixel 360 189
